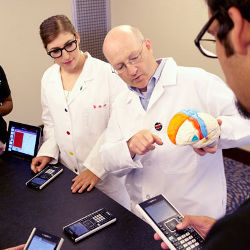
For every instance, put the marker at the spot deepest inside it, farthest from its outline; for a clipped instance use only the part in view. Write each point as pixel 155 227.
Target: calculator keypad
pixel 96 219
pixel 49 172
pixel 182 239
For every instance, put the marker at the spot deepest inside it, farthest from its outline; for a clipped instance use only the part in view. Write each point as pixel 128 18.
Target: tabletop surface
pixel 54 207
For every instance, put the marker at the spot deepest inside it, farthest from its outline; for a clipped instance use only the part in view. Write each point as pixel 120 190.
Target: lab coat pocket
pixel 98 118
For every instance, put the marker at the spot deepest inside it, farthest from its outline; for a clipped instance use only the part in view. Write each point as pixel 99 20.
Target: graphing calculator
pixel 164 217
pixel 42 240
pixel 44 177
pixel 89 224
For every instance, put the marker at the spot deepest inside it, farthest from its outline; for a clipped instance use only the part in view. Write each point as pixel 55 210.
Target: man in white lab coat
pixel 193 181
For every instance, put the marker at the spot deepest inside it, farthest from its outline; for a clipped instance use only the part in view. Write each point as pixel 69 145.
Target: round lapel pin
pixel 158 126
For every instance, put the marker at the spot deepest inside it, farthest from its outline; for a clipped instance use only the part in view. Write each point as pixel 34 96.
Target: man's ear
pixel 240 33
pixel 148 44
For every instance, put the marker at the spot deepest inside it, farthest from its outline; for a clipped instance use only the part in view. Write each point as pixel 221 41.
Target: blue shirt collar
pixel 154 79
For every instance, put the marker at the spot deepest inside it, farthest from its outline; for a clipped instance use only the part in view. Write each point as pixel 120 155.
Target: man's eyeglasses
pixel 69 47
pixel 131 61
pixel 205 41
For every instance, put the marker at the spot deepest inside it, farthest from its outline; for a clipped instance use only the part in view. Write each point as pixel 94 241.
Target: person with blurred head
pixel 229 23
pixel 6 105
pixel 77 93
pixel 136 143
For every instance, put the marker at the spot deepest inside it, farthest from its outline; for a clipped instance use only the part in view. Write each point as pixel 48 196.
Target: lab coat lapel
pixel 133 101
pixel 158 91
pixel 57 87
pixel 83 80
pixel 78 88
pixel 168 77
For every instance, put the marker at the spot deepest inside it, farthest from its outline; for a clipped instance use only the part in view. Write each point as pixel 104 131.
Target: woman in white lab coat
pixel 77 92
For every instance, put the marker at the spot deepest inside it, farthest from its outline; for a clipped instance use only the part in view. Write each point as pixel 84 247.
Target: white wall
pixel 21 52
pixel 171 25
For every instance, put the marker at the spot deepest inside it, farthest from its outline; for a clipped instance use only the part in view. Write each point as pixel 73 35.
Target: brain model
pixel 193 127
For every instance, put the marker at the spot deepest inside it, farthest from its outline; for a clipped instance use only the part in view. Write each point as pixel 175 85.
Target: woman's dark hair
pixel 225 22
pixel 52 26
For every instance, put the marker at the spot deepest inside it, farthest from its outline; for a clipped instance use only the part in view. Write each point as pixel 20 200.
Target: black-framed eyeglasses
pixel 69 47
pixel 131 61
pixel 205 41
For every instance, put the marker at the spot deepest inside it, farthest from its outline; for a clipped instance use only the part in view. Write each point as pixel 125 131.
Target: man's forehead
pixel 119 51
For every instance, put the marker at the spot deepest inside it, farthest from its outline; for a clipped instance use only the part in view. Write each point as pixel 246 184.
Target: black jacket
pixel 4 93
pixel 232 232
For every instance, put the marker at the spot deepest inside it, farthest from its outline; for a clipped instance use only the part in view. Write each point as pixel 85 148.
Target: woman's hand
pixel 38 163
pixel 84 180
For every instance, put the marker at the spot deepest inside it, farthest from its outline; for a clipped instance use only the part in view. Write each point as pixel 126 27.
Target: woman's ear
pixel 78 37
pixel 240 33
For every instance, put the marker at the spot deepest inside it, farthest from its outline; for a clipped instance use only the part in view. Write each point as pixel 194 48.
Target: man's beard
pixel 242 110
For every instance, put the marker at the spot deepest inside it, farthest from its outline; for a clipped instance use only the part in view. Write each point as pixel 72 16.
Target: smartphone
pixel 89 224
pixel 163 217
pixel 44 177
pixel 40 240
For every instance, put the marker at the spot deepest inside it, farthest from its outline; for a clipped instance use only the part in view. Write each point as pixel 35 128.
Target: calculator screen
pixel 38 180
pixel 78 228
pixel 160 211
pixel 39 243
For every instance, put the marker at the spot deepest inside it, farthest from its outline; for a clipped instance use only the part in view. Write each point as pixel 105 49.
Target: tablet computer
pixel 23 140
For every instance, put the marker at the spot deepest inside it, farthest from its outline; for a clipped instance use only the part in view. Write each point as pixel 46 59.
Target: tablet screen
pixel 23 139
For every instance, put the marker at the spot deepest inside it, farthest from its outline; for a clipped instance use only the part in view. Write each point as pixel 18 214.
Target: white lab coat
pixel 73 132
pixel 195 184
